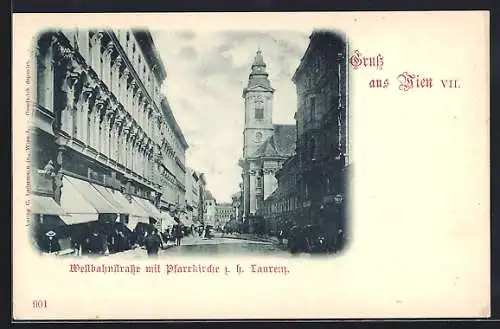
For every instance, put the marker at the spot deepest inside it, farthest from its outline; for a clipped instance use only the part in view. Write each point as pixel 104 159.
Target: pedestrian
pixel 153 243
pixel 280 236
pixel 178 235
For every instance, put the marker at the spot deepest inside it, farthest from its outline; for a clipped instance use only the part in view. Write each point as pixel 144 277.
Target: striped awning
pixel 148 207
pixel 132 207
pixel 45 205
pixel 110 197
pixel 133 221
pixel 95 198
pixel 79 218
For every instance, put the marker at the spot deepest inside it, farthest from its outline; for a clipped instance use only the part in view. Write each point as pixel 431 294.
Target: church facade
pixel 265 145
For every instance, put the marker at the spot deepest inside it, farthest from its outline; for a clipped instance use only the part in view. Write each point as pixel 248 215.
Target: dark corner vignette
pixel 108 171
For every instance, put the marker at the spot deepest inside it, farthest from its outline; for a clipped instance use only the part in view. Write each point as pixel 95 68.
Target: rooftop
pixel 318 40
pixel 280 144
pixel 151 54
pixel 167 111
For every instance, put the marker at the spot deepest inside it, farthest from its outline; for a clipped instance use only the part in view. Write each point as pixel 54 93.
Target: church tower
pixel 258 96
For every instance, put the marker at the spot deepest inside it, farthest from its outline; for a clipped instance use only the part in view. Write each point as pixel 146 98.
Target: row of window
pixel 131 48
pixel 288 204
pixel 94 129
pixel 113 73
pixel 121 87
pixel 325 186
pixel 98 133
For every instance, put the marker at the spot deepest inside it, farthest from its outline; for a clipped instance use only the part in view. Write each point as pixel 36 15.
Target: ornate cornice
pixel 110 49
pixel 82 80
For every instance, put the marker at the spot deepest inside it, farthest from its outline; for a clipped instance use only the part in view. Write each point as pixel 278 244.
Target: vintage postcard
pixel 251 165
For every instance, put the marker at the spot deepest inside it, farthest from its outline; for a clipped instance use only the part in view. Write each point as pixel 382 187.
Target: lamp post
pixel 50 235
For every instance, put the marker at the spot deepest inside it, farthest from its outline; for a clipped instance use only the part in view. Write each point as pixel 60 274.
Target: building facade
pixel 312 184
pixel 202 193
pixel 237 206
pixel 224 212
pixel 322 131
pixel 265 145
pixel 192 195
pixel 173 167
pixel 210 209
pixel 97 146
pixel 281 208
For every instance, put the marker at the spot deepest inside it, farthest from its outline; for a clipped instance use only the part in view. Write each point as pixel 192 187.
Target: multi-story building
pixel 173 158
pixel 237 206
pixel 192 195
pixel 224 212
pixel 98 145
pixel 281 207
pixel 322 134
pixel 210 209
pixel 312 184
pixel 265 145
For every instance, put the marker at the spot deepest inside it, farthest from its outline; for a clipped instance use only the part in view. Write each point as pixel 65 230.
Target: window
pixel 312 109
pixel 259 182
pixel 259 109
pixel 45 80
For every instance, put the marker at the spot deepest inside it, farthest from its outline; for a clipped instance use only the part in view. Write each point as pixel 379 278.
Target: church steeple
pixel 259 66
pixel 258 76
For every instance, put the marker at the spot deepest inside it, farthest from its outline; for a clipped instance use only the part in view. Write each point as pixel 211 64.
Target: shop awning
pixel 151 208
pixel 110 197
pixel 186 221
pixel 73 202
pixel 91 194
pixel 131 207
pixel 145 204
pixel 167 219
pixel 79 218
pixel 133 221
pixel 139 210
pixel 45 205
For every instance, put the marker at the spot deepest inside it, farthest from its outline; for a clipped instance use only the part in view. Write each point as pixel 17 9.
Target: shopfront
pixel 49 233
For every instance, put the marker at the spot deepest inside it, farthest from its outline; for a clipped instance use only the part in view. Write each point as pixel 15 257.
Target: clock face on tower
pixel 258 137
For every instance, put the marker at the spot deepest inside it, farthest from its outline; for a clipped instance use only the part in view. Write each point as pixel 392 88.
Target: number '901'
pixel 40 303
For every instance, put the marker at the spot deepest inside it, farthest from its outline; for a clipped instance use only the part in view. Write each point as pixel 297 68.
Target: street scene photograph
pixel 150 143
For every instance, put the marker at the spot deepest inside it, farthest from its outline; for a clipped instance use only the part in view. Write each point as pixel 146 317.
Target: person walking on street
pixel 153 243
pixel 280 236
pixel 178 235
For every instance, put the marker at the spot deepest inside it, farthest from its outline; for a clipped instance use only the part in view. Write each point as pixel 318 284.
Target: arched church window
pixel 259 109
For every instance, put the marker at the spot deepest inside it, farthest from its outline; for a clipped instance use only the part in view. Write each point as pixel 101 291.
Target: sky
pixel 206 74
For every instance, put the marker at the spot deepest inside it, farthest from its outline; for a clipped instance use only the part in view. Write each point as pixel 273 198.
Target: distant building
pixel 210 209
pixel 224 213
pixel 173 148
pixel 281 208
pixel 237 207
pixel 265 145
pixel 192 196
pixel 201 203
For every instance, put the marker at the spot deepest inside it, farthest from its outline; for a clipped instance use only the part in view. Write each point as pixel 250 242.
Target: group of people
pixel 154 241
pixel 313 239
